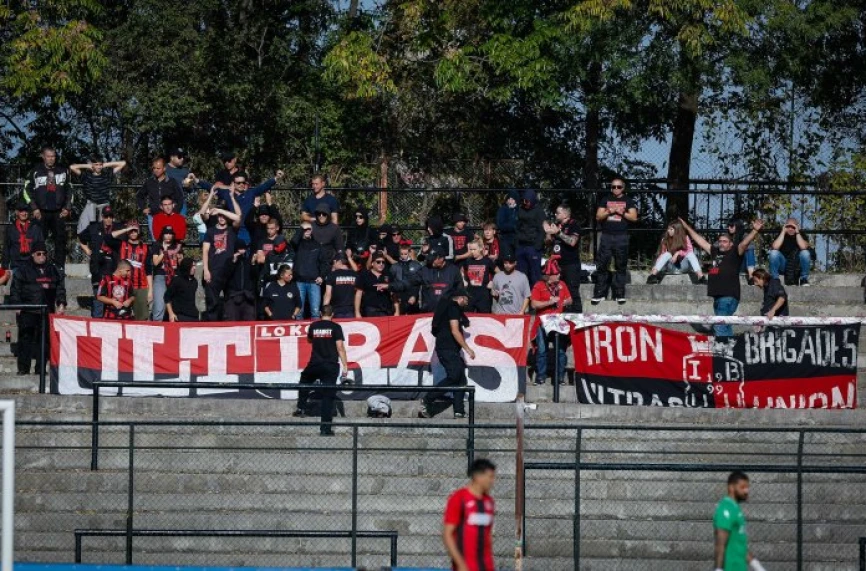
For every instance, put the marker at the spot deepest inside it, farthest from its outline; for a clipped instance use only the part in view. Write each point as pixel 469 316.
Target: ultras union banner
pixel 396 351
pixel 778 367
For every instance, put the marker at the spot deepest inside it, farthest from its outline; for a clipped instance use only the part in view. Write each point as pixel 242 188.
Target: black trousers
pixel 30 327
pixel 455 376
pixel 213 299
pixel 239 308
pixel 611 246
pixel 571 278
pixel 326 374
pixel 54 225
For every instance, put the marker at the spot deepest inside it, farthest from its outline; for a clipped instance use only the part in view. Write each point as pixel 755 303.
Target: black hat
pixel 435 253
pixel 107 211
pixel 177 152
pixel 167 230
pixel 263 210
pixel 38 247
pixel 508 257
pixel 460 217
pixel 22 205
pixel 395 229
pixel 226 157
pixel 240 245
pixel 385 229
pixel 323 208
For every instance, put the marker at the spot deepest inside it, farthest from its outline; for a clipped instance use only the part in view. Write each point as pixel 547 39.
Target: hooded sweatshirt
pixel 530 222
pixel 506 217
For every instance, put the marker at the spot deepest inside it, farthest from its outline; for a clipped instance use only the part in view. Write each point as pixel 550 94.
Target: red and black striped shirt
pixel 136 254
pixel 473 518
pixel 117 288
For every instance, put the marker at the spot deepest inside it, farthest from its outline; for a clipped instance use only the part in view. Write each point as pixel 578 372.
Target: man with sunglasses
pixel 36 283
pixel 327 233
pixel 723 283
pixel 615 212
pixel 373 290
pixel 789 244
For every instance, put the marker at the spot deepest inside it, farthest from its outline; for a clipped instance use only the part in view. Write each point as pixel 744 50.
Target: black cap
pixel 21 205
pixel 38 247
pixel 385 229
pixel 460 217
pixel 263 210
pixel 226 157
pixel 323 208
pixel 177 152
pixel 435 253
pixel 395 229
pixel 107 211
pixel 240 245
pixel 508 257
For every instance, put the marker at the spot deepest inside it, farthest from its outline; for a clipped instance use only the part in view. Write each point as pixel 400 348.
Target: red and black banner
pixel 382 352
pixel 778 367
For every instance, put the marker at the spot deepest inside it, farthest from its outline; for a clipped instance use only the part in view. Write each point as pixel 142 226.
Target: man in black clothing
pixel 614 212
pixel 791 243
pixel 217 251
pixel 153 190
pixel 404 266
pixel 327 356
pixel 448 324
pixel 20 237
pixel 180 295
pixel 100 245
pixel 282 298
pixel 461 236
pixel 530 236
pixel 373 290
pixel 36 282
pixel 435 279
pixel 340 289
pixel 564 234
pixel 48 192
pixel 240 303
pixel 312 262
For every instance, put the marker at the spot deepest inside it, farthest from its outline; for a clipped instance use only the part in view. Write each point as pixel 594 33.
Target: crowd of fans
pixel 253 268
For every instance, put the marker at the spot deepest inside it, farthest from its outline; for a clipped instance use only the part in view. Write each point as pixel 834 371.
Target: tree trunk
pixel 680 158
pixel 353 8
pixel 591 89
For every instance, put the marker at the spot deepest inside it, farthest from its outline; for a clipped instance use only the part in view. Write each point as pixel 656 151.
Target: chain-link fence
pixel 595 497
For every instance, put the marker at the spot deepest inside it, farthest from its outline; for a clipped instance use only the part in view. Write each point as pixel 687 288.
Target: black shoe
pixel 459 415
pixel 424 412
pixel 652 279
pixel 702 280
pixel 299 413
pixel 804 282
pixel 20 372
pixel 326 432
pixel 621 300
pixel 596 300
pixel 539 382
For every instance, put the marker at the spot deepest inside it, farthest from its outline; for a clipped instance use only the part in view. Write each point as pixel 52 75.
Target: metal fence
pixel 831 218
pixel 596 497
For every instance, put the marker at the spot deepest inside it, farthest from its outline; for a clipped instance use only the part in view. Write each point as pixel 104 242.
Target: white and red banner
pixel 395 351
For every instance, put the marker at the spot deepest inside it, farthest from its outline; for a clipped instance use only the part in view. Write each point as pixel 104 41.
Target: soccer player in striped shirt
pixel 468 530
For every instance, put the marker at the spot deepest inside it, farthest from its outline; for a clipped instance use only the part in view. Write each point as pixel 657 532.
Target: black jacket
pixel 311 260
pixel 181 295
pixel 242 283
pixel 13 252
pixel 151 192
pixel 434 283
pixel 37 285
pixel 530 223
pixel 37 193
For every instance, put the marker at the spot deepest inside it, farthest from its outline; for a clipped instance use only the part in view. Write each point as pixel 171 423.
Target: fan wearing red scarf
pixel 549 295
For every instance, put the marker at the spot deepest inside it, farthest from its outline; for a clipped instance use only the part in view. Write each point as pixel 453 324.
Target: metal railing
pixel 43 336
pixel 468 390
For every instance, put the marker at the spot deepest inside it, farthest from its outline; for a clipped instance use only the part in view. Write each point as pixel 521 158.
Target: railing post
pixel 77 547
pixel 555 364
pixel 800 500
pixel 470 444
pixel 393 550
pixel 94 429
pixel 130 494
pixel 354 497
pixel 43 318
pixel 576 530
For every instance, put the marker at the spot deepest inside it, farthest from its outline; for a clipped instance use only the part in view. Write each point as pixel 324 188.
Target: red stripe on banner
pixel 386 350
pixel 837 392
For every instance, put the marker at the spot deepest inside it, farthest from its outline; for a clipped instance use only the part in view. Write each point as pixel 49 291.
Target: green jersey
pixel 729 517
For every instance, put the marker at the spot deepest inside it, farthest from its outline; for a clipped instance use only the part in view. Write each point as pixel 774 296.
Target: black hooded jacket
pixel 530 222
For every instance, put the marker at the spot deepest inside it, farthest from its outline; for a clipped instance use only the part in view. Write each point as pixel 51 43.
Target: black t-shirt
pixel 724 276
pixel 446 312
pixel 478 275
pixel 222 247
pixel 282 299
pixel 568 255
pixel 323 336
pixel 773 291
pixel 461 239
pixel 97 187
pixel 374 301
pixel 342 284
pixel 789 244
pixel 616 224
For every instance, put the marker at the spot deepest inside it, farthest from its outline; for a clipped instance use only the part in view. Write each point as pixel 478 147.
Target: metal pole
pixel 130 494
pixel 470 445
pixel 555 366
pixel 354 497
pixel 77 547
pixel 800 501
pixel 43 324
pixel 576 531
pixel 94 430
pixel 7 544
pixel 393 551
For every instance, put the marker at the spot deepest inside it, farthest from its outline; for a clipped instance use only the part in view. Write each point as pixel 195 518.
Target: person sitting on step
pixel 676 253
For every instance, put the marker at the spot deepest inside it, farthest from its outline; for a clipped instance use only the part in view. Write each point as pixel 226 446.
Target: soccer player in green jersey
pixel 732 543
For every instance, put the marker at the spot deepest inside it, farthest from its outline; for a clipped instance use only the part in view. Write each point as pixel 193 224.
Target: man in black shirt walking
pixel 447 326
pixel 327 356
pixel 614 212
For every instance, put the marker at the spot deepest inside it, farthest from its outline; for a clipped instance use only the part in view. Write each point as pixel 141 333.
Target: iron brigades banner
pixel 396 351
pixel 790 367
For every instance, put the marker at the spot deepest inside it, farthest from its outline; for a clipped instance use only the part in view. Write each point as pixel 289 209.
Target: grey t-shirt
pixel 513 290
